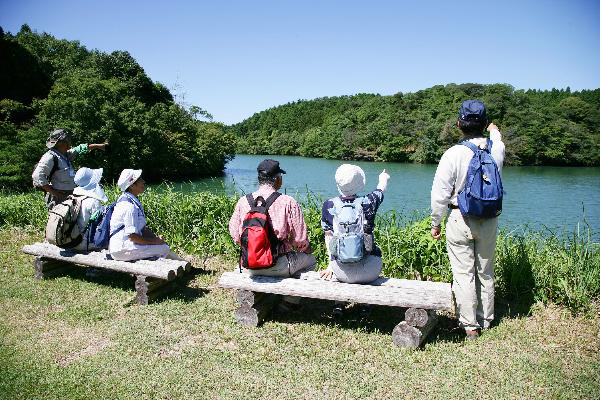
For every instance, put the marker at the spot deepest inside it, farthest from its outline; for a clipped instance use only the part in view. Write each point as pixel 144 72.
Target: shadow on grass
pixel 383 319
pixel 123 281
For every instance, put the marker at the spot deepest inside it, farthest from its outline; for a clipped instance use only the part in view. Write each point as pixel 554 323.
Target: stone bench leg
pixel 148 289
pixel 253 307
pixel 417 324
pixel 48 267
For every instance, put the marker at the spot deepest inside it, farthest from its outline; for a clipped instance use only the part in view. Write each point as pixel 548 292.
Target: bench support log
pixel 148 289
pixel 416 317
pixel 408 336
pixel 47 267
pixel 253 307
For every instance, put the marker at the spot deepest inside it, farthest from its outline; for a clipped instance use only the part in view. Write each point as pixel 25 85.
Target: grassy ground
pixel 71 337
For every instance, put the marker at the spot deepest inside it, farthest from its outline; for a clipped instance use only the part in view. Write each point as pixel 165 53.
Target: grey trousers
pixel 288 265
pixel 364 271
pixel 471 244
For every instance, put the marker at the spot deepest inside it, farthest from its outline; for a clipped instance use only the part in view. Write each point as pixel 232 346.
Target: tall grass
pixel 529 265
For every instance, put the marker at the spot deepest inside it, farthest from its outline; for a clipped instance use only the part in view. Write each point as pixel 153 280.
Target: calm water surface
pixel 538 197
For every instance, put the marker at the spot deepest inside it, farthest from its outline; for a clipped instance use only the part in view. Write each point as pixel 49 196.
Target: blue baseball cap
pixel 472 110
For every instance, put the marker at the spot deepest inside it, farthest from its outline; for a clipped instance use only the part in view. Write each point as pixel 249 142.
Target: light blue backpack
pixel 348 244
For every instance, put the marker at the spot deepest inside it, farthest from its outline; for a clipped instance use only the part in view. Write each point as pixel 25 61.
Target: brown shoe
pixel 471 334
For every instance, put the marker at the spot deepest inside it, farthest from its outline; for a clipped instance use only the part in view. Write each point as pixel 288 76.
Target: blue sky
pixel 235 58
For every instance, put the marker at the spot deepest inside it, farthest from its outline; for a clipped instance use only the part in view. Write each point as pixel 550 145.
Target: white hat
pixel 350 179
pixel 128 177
pixel 87 181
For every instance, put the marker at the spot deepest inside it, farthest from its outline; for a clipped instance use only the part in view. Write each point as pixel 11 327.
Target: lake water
pixel 557 198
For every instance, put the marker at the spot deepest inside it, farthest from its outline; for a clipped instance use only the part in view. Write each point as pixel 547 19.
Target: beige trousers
pixel 471 244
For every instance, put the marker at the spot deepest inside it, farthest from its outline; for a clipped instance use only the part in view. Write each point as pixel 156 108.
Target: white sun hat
pixel 87 181
pixel 350 179
pixel 128 177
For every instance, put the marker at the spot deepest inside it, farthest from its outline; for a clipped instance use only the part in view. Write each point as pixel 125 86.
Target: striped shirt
pixel 286 218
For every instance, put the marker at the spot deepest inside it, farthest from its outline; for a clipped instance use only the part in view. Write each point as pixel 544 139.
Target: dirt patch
pixel 92 349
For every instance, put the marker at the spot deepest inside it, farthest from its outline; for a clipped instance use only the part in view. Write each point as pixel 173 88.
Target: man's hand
pixel 436 232
pixel 98 146
pixel 158 240
pixel 492 127
pixel 326 274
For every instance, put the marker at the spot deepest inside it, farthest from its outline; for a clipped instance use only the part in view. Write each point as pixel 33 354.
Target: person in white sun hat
pixel 348 221
pixel 88 185
pixel 130 238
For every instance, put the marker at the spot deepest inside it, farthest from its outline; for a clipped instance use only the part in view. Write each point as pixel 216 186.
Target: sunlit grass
pixel 529 265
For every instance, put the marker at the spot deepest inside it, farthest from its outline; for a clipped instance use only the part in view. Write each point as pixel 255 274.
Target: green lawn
pixel 72 337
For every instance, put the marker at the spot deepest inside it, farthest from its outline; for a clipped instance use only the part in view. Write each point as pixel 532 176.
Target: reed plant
pixel 562 269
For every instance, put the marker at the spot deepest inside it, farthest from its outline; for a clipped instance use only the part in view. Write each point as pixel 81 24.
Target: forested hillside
pixel 556 127
pixel 47 83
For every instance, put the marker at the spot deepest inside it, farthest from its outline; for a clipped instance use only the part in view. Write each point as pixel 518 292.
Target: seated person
pixel 294 252
pixel 350 180
pixel 87 181
pixel 130 238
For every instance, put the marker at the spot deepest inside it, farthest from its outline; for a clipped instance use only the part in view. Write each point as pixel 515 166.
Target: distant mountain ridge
pixel 550 127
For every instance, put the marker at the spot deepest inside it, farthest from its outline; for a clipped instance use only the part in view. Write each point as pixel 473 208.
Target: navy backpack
pixel 98 230
pixel 482 194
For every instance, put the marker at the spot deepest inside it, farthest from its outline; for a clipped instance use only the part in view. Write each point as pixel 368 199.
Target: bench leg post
pixel 46 267
pixel 413 331
pixel 148 289
pixel 253 307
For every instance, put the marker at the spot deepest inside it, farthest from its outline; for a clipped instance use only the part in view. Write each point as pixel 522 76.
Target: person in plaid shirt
pixel 287 222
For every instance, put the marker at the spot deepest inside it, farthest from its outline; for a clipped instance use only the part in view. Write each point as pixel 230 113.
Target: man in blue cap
pixel 471 241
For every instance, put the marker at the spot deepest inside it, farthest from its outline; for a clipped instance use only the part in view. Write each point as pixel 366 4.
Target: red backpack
pixel 259 243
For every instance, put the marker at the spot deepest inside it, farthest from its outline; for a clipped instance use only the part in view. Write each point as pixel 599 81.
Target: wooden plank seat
pixel 153 277
pixel 256 295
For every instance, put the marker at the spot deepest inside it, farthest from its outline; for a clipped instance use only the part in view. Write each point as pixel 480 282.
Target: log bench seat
pixel 256 295
pixel 154 278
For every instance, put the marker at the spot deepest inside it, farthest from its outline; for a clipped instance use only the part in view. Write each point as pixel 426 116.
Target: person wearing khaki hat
pixel 348 222
pixel 130 238
pixel 54 173
pixel 88 187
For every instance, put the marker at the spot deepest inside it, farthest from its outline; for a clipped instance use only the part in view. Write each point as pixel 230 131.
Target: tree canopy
pixel 553 127
pixel 46 83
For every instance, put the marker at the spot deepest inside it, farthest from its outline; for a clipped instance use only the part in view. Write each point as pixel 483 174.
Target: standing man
pixel 54 173
pixel 294 253
pixel 471 241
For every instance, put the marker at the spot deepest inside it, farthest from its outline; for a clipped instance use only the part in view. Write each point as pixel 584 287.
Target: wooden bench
pixel 256 295
pixel 153 278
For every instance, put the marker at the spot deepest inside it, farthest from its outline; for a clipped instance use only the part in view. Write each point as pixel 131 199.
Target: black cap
pixel 269 167
pixel 472 110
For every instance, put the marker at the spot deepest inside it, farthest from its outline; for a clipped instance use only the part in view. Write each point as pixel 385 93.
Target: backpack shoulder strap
pixel 359 201
pixel 337 203
pixel 489 145
pixel 271 199
pixel 78 202
pixel 250 199
pixel 470 145
pixel 54 165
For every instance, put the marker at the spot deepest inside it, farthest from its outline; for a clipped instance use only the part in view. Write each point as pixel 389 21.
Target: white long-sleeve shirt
pixel 451 173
